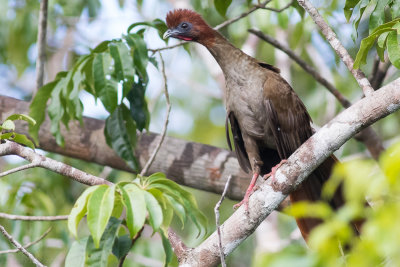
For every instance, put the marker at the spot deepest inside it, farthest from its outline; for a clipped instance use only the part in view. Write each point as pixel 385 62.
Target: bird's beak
pixel 169 33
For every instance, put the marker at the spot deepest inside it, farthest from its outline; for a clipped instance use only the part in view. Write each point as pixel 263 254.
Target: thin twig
pixel 20 248
pixel 20 168
pixel 313 72
pixel 41 44
pixel 12 148
pixel 121 262
pixel 278 10
pixel 164 129
pixel 337 46
pixel 379 72
pixel 216 210
pixel 27 245
pixel 32 218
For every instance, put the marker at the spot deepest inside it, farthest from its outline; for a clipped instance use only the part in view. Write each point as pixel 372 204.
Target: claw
pixel 274 169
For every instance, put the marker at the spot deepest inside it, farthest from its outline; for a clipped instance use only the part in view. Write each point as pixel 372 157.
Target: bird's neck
pixel 232 60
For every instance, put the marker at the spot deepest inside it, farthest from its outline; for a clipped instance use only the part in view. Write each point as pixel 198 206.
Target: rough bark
pixel 188 163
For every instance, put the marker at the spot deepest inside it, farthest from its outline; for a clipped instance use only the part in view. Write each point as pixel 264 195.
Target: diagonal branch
pixel 28 244
pixel 337 46
pixel 368 136
pixel 12 148
pixel 20 247
pixel 299 165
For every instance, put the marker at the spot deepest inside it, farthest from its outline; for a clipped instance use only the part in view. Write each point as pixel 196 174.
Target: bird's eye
pixel 184 25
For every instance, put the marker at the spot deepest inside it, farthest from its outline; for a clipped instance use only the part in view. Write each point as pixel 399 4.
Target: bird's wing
pixel 287 116
pixel 240 150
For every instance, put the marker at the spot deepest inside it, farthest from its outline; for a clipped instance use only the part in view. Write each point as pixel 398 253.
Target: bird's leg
pixel 249 191
pixel 273 170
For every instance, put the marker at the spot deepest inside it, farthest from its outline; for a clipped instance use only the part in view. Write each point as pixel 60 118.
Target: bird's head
pixel 188 25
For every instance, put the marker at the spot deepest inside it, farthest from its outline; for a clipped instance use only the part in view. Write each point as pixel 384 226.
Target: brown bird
pixel 267 119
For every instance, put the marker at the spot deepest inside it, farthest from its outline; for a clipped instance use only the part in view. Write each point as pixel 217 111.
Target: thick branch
pixel 188 163
pixel 299 165
pixel 337 46
pixel 368 136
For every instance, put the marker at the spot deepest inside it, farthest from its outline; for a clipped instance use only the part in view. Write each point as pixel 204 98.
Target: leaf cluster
pixel 149 200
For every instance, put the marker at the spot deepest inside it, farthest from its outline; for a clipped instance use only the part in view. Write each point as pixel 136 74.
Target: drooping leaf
pixel 122 245
pixel 393 48
pixel 135 204
pixel 123 65
pixel 118 138
pixel 140 54
pixel 155 211
pixel 99 209
pixel 378 15
pixel 349 7
pixel 138 106
pixel 77 253
pixel 222 6
pixel 79 210
pixel 167 247
pixel 98 255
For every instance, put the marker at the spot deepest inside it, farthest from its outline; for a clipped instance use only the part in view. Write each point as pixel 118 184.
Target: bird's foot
pixel 250 190
pixel 274 169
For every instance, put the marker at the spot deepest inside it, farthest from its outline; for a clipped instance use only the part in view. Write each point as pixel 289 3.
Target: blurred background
pixel 196 87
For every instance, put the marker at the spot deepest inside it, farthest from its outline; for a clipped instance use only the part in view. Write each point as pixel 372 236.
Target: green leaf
pixel 118 137
pixel 79 210
pixel 123 64
pixel 22 117
pixel 8 125
pixel 155 211
pixel 22 139
pixel 77 253
pixel 118 206
pixel 122 245
pixel 299 9
pixel 362 6
pixel 140 54
pixel 303 209
pixel 157 23
pixel 7 136
pixel 138 106
pixel 100 206
pixel 178 208
pixel 102 47
pixel 98 255
pixel 105 88
pixel 167 248
pixel 393 47
pixel 222 6
pixel 378 15
pixel 135 204
pixel 349 8
pixel 395 9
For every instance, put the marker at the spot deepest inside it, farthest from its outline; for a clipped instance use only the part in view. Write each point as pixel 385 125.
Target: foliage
pixel 7 130
pixel 380 235
pixel 386 31
pixel 112 72
pixel 153 200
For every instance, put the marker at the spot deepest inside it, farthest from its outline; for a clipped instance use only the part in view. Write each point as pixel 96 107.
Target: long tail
pixel 311 190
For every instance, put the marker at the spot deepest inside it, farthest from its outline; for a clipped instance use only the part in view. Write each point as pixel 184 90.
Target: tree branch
pixel 20 168
pixel 12 148
pixel 299 165
pixel 41 44
pixel 368 136
pixel 337 46
pixel 27 245
pixel 33 218
pixel 19 247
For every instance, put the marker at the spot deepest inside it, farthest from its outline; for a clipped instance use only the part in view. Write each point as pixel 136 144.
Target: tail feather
pixel 311 189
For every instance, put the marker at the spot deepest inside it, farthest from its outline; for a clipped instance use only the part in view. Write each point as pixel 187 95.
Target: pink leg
pixel 249 191
pixel 273 170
